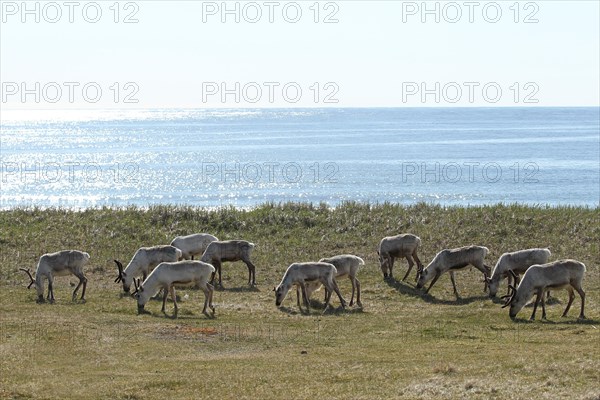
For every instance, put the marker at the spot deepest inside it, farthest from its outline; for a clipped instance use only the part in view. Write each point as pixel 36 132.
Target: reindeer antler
pixel 136 282
pixel 509 297
pixel 120 268
pixel 30 277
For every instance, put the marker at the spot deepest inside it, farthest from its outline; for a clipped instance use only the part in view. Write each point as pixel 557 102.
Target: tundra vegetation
pixel 400 344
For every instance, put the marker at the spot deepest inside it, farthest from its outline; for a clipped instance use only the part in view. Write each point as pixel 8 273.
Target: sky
pixel 203 54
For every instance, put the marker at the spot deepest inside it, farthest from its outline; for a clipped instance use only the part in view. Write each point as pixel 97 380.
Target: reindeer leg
pixel 540 293
pixel 571 298
pixel 353 289
pixel 220 277
pixel 435 278
pixel 582 295
pixel 211 290
pixel 251 272
pixel 84 287
pixel 298 296
pixel 174 298
pixel 486 275
pixel 305 297
pixel 51 289
pixel 484 270
pixel 454 285
pixel 165 294
pixel 82 281
pixel 327 294
pixel 416 257
pixel 543 306
pixel 207 294
pixel 337 291
pixel 358 293
pixel 410 265
pixel 392 259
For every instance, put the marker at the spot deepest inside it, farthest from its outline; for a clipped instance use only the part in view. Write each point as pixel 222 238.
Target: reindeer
pixel 230 250
pixel 143 261
pixel 450 260
pixel 517 262
pixel 562 274
pixel 167 275
pixel 300 273
pixel 392 247
pixel 65 262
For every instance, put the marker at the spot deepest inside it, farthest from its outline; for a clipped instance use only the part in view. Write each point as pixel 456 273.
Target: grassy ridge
pixel 402 345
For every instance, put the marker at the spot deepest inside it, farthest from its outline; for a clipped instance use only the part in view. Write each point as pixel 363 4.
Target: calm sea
pixel 244 157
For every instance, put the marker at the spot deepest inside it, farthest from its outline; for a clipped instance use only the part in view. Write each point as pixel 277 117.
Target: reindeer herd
pixel 165 267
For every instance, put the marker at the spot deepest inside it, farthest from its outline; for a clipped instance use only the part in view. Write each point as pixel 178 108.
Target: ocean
pixel 244 157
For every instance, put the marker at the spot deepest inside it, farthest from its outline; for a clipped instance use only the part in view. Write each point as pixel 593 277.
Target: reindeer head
pixel 422 276
pixel 141 296
pixel 384 264
pixel 39 289
pixel 280 292
pixel 515 299
pixel 492 285
pixel 510 301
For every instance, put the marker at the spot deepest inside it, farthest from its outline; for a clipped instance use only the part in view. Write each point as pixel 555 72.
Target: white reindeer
pixel 300 273
pixel 65 262
pixel 562 274
pixel 167 275
pixel 193 245
pixel 143 261
pixel 450 260
pixel 346 265
pixel 517 262
pixel 399 246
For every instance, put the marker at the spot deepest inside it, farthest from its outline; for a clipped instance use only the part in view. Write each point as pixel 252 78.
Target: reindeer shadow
pixel 403 287
pixel 557 321
pixel 291 311
pixel 407 289
pixel 457 302
pixel 239 289
pixel 317 308
pixel 175 315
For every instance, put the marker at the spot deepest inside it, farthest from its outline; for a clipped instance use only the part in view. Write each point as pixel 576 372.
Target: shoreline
pixel 321 205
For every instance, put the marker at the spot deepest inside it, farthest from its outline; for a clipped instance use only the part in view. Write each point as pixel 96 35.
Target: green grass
pixel 401 345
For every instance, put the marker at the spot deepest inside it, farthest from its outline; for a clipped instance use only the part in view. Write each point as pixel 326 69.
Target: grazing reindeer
pixel 230 250
pixel 66 262
pixel 167 275
pixel 562 274
pixel 392 247
pixel 346 265
pixel 450 260
pixel 193 245
pixel 143 261
pixel 300 273
pixel 517 262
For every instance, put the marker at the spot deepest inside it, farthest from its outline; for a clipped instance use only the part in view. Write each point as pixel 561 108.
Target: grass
pixel 401 345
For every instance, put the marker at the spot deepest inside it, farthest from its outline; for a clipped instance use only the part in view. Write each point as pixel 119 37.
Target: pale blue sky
pixel 370 55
